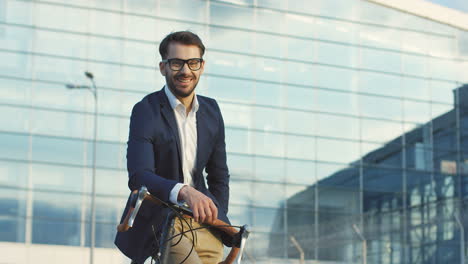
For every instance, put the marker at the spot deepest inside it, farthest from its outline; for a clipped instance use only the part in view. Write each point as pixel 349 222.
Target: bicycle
pixel 137 197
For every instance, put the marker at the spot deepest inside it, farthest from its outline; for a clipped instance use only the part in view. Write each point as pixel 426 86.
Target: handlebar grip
pixel 124 225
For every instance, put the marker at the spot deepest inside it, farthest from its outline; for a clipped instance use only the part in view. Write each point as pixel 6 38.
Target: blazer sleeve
pixel 140 154
pixel 217 169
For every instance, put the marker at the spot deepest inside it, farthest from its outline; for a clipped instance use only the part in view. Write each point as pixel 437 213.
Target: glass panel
pixel 240 215
pixel 59 178
pixel 268 20
pixel 268 119
pixel 381 60
pixel 237 140
pixel 63 44
pixel 141 7
pixel 58 150
pixel 379 130
pixel 13 173
pixel 110 155
pixel 276 200
pixel 243 191
pixel 240 167
pixel 109 128
pixel 300 25
pixel 166 26
pixel 444 69
pixel 224 64
pixel 299 122
pixel 15 64
pixel 14 146
pixel 337 126
pixel 105 49
pixel 236 115
pixel 269 70
pixel 12 215
pixel 342 55
pixel 192 10
pixel 300 171
pixel 112 182
pixel 327 170
pixel 302 50
pixel 265 219
pixel 300 98
pixel 327 150
pixel 141 28
pixel 64 18
pixel 382 84
pixel 442 91
pixel 300 74
pixel 269 144
pixel 105 23
pixel 56 218
pixel 269 94
pixel 15 91
pixel 65 124
pixel 371 106
pixel 15 119
pixel 326 77
pixel 105 235
pixel 269 169
pixel 221 14
pixel 415 88
pixel 381 184
pixel 61 70
pixel 221 38
pixel 231 89
pixel 301 147
pixel 15 38
pixel 56 96
pixel 417 112
pixel 141 80
pixel 57 232
pixel 336 102
pixel 414 65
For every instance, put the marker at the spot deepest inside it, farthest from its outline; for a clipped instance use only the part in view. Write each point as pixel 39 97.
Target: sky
pixel 461 5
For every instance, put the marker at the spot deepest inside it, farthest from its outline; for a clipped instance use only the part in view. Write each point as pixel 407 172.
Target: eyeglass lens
pixel 178 64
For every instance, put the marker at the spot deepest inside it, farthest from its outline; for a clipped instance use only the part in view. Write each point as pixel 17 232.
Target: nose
pixel 185 68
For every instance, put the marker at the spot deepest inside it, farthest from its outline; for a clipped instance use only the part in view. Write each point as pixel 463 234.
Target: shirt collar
pixel 175 102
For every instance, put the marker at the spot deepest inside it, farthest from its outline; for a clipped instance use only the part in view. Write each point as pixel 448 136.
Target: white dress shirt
pixel 187 127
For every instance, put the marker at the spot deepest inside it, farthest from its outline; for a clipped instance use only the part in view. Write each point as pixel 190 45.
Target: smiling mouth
pixel 184 79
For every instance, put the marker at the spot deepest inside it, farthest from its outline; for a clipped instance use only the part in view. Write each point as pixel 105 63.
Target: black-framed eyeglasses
pixel 175 64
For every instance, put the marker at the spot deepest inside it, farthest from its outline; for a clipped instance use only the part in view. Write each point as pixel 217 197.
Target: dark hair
pixel 182 37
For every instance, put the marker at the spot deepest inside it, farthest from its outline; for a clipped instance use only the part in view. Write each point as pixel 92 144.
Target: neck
pixel 187 102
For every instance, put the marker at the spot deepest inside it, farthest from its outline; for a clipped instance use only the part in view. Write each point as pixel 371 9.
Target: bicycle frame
pixel 138 196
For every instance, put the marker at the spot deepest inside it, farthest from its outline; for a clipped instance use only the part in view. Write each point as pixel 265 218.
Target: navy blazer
pixel 154 160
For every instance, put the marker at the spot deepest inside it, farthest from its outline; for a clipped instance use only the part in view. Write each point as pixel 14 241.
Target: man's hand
pixel 203 208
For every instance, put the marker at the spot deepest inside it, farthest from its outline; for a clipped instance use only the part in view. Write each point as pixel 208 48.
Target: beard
pixel 178 91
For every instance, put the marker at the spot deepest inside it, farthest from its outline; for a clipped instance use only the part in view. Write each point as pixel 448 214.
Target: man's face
pixel 182 83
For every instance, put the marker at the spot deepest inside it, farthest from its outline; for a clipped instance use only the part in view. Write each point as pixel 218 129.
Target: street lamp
pixel 364 243
pixel 93 90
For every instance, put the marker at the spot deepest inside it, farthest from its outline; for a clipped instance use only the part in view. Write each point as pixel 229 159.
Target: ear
pixel 162 68
pixel 202 68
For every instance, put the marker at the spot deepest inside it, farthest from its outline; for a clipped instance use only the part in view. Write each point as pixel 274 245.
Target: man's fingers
pixel 214 210
pixel 202 215
pixel 195 213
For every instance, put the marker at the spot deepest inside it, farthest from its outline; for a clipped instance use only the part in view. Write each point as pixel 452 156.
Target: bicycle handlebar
pixel 138 196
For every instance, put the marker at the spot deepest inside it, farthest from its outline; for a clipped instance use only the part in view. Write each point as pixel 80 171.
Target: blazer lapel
pixel 168 114
pixel 202 139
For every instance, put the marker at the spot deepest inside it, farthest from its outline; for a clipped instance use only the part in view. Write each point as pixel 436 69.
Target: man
pixel 174 135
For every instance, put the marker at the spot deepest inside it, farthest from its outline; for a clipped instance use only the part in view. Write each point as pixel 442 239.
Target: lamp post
pixel 364 243
pixel 93 90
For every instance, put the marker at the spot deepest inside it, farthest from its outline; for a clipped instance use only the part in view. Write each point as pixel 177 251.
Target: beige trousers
pixel 208 246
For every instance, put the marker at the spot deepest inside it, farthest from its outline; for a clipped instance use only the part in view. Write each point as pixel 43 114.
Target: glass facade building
pixel 341 125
